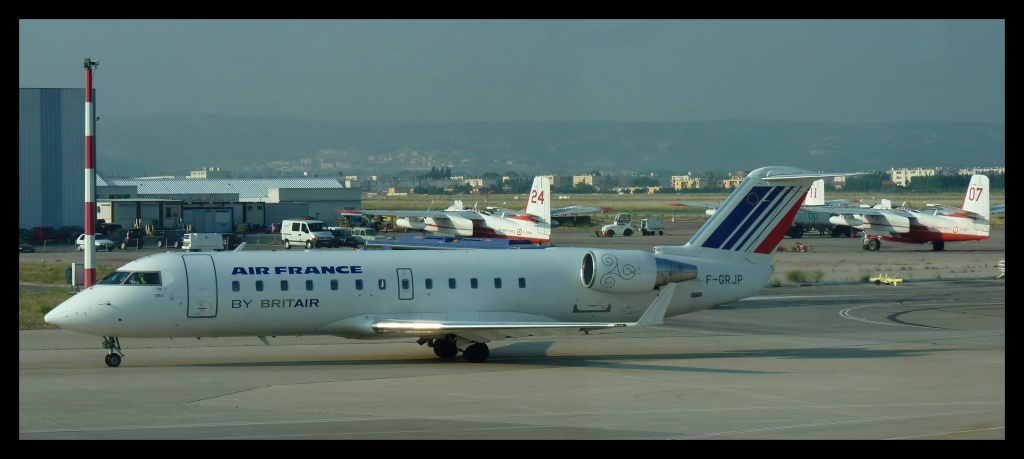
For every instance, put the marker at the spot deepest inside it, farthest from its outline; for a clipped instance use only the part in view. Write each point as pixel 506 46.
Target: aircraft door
pixel 202 285
pixel 404 284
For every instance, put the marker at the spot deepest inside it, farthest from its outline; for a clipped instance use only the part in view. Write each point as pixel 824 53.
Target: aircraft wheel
pixel 938 245
pixel 627 232
pixel 874 245
pixel 445 349
pixel 112 360
pixel 287 244
pixel 476 353
pixel 661 233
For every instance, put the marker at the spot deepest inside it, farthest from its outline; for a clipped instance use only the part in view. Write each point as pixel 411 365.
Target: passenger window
pixel 428 283
pixel 235 286
pixel 309 284
pixel 472 283
pixel 381 283
pixel 497 282
pixel 451 282
pixel 522 282
pixel 284 286
pixel 359 284
pixel 405 284
pixel 259 286
pixel 334 284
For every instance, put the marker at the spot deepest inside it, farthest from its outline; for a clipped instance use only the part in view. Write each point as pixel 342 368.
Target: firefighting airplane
pixel 938 225
pixel 533 224
pixel 451 300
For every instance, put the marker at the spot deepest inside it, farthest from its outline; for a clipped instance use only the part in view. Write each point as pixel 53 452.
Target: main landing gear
pixel 871 243
pixel 448 348
pixel 114 355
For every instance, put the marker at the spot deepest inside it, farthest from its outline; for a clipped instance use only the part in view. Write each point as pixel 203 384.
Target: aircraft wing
pixel 574 210
pixel 436 214
pixel 483 331
pixel 877 222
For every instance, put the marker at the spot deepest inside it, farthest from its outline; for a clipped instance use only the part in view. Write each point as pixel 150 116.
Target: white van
pixel 198 242
pixel 309 233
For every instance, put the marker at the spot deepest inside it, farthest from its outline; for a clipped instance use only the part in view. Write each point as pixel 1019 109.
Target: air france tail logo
pixel 758 222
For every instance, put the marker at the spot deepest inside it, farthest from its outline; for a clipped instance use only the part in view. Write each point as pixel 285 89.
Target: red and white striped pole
pixel 90 179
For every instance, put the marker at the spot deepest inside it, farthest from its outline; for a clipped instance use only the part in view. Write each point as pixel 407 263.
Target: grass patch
pixel 33 305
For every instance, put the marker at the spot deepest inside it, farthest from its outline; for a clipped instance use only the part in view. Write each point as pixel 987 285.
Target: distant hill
pixel 177 144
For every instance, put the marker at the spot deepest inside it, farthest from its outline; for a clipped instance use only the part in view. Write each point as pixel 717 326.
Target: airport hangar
pixel 51 181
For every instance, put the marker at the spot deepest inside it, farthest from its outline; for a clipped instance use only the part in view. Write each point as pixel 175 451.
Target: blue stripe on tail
pixel 752 217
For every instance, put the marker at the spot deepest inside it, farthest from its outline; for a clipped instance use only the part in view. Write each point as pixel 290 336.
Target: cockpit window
pixel 132 278
pixel 116 277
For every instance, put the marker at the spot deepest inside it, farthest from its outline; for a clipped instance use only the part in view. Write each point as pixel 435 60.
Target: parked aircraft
pixel 533 224
pixel 451 300
pixel 578 210
pixel 1000 209
pixel 937 225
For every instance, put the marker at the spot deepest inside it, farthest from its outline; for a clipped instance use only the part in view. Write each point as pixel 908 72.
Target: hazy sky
pixel 530 70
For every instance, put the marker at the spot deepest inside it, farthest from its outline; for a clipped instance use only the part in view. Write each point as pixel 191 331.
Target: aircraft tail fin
pixel 538 203
pixel 755 217
pixel 976 199
pixel 816 195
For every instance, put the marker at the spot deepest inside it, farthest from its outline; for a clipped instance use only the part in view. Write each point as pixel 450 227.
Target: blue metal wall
pixel 51 156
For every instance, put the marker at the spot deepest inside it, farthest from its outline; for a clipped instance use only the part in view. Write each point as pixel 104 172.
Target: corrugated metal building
pixel 51 156
pixel 51 180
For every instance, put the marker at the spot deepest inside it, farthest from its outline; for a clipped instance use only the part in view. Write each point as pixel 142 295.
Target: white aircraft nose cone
pixel 57 316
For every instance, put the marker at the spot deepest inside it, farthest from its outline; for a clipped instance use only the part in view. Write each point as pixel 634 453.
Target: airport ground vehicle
pixel 308 233
pixel 69 233
pixel 622 226
pixel 102 242
pixel 25 247
pixel 126 238
pixel 198 242
pixel 652 226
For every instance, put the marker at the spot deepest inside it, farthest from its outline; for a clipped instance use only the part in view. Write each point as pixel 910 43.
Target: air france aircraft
pixel 452 300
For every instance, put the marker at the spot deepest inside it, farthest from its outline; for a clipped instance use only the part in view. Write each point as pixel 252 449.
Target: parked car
pixel 102 242
pixel 125 238
pixel 25 246
pixel 343 238
pixel 69 233
pixel 172 239
pixel 107 228
pixel 42 234
pixel 231 240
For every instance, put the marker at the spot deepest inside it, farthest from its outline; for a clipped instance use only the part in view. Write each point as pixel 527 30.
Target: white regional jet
pixel 451 300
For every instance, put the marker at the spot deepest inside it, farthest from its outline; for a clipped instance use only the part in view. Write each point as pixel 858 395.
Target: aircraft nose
pixel 58 316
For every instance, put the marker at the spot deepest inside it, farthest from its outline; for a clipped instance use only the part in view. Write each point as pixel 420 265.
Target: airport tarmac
pixel 844 360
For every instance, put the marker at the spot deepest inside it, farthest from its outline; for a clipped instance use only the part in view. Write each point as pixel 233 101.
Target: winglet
pixel 655 314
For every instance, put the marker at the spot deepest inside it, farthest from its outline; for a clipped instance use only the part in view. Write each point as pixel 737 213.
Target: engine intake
pixel 631 271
